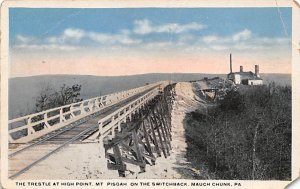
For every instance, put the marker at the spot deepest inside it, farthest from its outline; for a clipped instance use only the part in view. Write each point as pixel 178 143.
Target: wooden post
pixel 166 113
pixel 118 159
pixel 100 136
pixel 167 134
pixel 119 122
pixel 90 106
pixel 61 116
pixel 164 118
pixel 113 131
pixel 30 129
pixel 71 110
pixel 148 142
pixel 46 121
pixel 119 125
pixel 154 137
pixel 138 151
pixel 159 136
pixel 166 142
pixel 82 108
pixel 97 103
pixel 113 127
pixel 164 100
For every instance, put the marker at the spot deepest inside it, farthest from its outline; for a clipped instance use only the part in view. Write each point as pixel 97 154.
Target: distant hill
pixel 24 90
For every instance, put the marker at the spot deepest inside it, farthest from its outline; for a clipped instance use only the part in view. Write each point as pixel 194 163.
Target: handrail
pixel 116 118
pixel 60 117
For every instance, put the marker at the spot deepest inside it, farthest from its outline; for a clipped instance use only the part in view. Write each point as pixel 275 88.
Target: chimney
pixel 241 69
pixel 230 64
pixel 257 70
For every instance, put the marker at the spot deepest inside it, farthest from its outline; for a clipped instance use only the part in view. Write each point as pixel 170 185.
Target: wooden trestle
pixel 144 137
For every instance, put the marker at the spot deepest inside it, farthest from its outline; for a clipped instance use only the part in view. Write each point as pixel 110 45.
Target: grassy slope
pixel 223 143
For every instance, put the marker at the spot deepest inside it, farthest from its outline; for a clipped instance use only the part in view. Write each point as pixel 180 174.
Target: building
pixel 245 78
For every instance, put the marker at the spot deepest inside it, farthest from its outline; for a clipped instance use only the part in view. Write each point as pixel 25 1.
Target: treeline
pixel 247 137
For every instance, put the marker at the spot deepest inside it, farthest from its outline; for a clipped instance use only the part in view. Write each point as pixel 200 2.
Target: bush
pixel 248 137
pixel 232 102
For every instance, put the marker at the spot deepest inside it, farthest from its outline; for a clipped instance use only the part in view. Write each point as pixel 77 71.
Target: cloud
pixel 32 43
pixel 122 38
pixel 242 40
pixel 242 35
pixel 74 33
pixel 69 35
pixel 210 39
pixel 46 47
pixel 72 39
pixel 219 47
pixel 142 27
pixel 145 26
pixel 24 39
pixel 158 46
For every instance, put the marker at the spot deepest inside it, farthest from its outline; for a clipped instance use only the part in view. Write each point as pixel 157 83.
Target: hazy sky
pixel 134 41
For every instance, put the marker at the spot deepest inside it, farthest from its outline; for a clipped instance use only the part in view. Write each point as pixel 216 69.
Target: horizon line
pixel 135 74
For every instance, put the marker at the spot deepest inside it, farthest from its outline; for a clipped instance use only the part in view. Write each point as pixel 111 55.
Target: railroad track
pixel 21 160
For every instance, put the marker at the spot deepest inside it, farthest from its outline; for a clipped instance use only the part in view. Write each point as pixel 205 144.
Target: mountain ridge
pixel 24 90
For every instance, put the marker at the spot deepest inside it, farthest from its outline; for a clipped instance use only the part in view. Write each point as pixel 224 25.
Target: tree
pixel 49 98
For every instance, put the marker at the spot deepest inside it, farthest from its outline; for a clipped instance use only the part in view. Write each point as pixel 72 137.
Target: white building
pixel 245 78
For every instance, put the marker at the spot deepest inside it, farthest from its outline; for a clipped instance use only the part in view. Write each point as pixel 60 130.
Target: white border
pixel 147 3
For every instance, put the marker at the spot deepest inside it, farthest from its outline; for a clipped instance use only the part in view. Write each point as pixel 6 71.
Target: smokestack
pixel 230 64
pixel 257 70
pixel 241 69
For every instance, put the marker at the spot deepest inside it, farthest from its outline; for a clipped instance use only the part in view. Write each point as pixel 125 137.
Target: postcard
pixel 131 94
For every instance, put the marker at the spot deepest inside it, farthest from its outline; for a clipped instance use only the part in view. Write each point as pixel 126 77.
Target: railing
pixel 109 123
pixel 33 126
pixel 113 121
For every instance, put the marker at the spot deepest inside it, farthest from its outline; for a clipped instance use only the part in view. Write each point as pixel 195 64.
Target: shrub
pixel 248 137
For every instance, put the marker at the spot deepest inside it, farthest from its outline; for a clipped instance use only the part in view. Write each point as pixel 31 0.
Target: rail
pixel 33 126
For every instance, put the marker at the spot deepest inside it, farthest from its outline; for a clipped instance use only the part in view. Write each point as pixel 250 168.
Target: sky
pixel 127 41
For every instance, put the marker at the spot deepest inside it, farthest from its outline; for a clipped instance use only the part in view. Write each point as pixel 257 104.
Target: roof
pixel 247 75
